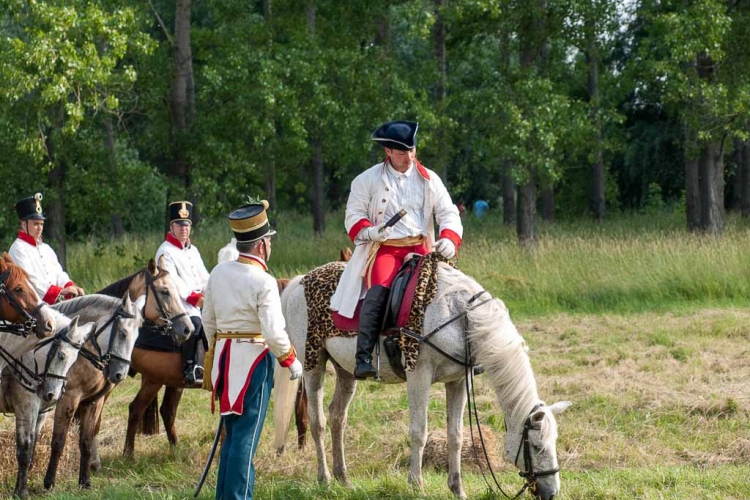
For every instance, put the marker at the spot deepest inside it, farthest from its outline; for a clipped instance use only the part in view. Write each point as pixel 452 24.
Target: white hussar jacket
pixel 371 191
pixel 187 270
pixel 228 252
pixel 41 264
pixel 241 297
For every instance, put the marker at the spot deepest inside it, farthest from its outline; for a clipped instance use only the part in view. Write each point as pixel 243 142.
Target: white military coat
pixel 228 252
pixel 41 264
pixel 241 297
pixel 372 191
pixel 187 271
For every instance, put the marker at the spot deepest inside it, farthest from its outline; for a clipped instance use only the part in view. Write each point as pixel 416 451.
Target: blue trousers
pixel 236 478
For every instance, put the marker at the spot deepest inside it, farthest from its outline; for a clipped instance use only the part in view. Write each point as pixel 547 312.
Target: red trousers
pixel 387 263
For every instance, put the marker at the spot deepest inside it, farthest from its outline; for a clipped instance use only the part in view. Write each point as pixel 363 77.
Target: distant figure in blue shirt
pixel 480 207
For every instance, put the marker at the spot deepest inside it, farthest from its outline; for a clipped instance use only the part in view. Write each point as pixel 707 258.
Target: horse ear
pixel 152 267
pixel 345 254
pixel 7 258
pixel 126 299
pixel 162 264
pixel 560 407
pixel 536 418
pixel 73 323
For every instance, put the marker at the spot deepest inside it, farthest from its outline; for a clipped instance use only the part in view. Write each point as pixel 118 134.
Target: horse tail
pixel 285 390
pixel 284 394
pixel 150 421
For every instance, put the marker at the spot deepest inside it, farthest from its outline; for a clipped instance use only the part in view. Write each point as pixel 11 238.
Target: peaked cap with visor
pixel 250 222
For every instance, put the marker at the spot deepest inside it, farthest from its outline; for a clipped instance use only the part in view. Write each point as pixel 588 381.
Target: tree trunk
pixel 383 30
pixel 597 165
pixel 439 89
pixel 109 146
pixel 268 147
pixel 745 169
pixel 55 206
pixel 509 194
pixel 734 203
pixel 319 220
pixel 182 93
pixel 711 174
pixel 692 182
pixel 526 222
pixel 548 204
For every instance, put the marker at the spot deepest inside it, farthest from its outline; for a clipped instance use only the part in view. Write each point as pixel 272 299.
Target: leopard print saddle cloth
pixel 319 286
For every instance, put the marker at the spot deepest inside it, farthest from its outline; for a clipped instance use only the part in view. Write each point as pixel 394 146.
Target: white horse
pixel 494 342
pixel 35 382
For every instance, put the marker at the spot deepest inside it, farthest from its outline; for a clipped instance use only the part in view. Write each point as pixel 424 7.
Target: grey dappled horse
pixel 494 342
pixel 34 384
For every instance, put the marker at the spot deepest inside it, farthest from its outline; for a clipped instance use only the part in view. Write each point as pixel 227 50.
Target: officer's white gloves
pixel 373 233
pixel 446 248
pixel 296 369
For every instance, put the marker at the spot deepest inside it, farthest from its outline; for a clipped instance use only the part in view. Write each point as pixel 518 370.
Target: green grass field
pixel 643 327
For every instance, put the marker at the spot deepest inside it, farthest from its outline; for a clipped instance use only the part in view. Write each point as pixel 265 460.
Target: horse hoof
pixel 23 494
pixel 96 466
pixel 48 485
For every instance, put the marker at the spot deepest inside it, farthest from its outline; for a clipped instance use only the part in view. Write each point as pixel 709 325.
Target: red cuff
pixel 451 235
pixel 288 359
pixel 193 298
pixel 52 294
pixel 69 283
pixel 359 226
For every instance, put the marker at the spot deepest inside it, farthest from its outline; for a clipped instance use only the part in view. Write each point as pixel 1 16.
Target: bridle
pixel 529 474
pixel 31 379
pixel 99 359
pixel 27 327
pixel 167 326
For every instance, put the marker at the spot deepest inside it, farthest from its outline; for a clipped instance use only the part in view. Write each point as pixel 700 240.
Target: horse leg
pixel 96 461
pixel 300 416
pixel 135 412
pixel 27 411
pixel 168 410
pixel 89 416
pixel 64 412
pixel 314 384
pixel 418 392
pixel 338 410
pixel 455 401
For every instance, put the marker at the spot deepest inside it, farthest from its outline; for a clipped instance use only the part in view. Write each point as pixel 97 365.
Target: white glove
pixel 446 248
pixel 296 369
pixel 374 234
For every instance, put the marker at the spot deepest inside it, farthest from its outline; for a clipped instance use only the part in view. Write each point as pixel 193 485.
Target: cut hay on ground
pixel 436 451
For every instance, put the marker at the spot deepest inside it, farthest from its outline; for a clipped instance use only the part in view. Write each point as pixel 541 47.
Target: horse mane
pixel 497 345
pixel 94 300
pixel 16 273
pixel 118 288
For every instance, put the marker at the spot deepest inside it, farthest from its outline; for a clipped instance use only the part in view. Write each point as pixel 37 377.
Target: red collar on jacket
pixel 24 236
pixel 422 171
pixel 247 258
pixel 174 241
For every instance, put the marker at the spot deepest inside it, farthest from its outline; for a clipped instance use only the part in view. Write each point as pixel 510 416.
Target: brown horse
pixel 87 384
pixel 159 369
pixel 21 311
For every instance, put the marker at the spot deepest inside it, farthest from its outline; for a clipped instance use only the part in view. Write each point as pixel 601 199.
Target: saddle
pixel 400 301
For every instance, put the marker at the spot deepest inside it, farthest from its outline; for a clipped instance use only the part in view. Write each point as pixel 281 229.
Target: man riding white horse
pixel 184 263
pixel 379 193
pixel 37 258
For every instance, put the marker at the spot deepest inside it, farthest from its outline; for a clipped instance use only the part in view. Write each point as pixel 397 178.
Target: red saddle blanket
pixel 402 316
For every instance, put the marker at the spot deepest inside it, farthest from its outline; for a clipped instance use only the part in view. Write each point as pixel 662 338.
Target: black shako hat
pixel 397 135
pixel 181 212
pixel 250 222
pixel 30 208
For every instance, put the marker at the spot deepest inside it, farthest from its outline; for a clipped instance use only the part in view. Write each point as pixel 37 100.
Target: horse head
pixel 19 302
pixel 163 303
pixel 532 447
pixel 120 341
pixel 56 355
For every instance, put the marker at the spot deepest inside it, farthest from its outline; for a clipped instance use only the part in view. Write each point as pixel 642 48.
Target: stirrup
pixel 194 375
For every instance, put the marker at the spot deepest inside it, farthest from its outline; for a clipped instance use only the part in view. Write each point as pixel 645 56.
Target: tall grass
pixel 629 264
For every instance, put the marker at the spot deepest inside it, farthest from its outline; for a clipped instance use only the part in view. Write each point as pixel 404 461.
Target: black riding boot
pixel 192 367
pixel 370 325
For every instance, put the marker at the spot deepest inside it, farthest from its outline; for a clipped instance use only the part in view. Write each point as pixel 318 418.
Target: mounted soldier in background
pixel 37 258
pixel 377 195
pixel 184 263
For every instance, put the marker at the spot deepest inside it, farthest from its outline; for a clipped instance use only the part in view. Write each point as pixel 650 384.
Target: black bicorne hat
pixel 30 208
pixel 397 135
pixel 250 222
pixel 181 212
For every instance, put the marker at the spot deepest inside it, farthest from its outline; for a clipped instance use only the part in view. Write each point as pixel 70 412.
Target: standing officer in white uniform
pixel 37 258
pixel 243 322
pixel 185 265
